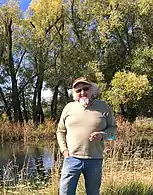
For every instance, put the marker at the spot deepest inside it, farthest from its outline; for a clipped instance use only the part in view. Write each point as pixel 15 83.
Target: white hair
pixel 94 90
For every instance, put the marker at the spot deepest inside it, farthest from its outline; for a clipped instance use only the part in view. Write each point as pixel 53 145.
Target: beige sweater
pixel 77 123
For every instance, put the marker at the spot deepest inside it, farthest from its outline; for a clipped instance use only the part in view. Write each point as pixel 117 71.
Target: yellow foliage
pixel 145 6
pixel 44 14
pixel 46 8
pixel 4 117
pixel 10 10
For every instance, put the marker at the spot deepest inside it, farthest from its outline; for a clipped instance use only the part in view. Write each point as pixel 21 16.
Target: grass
pixel 133 176
pixel 128 162
pixel 121 178
pixel 27 131
pixel 127 174
pixel 132 188
pixel 127 177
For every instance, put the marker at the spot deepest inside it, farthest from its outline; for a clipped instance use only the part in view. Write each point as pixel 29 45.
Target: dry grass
pixel 122 172
pixel 27 131
pixel 127 163
pixel 116 175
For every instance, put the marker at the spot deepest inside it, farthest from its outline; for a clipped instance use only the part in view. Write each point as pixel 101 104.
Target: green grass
pixel 132 188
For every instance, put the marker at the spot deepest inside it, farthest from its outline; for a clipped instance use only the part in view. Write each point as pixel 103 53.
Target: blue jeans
pixel 73 167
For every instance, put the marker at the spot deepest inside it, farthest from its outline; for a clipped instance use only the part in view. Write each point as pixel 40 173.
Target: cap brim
pixel 86 82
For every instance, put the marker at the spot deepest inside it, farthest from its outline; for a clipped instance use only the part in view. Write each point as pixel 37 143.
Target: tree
pixel 9 18
pixel 126 90
pixel 57 41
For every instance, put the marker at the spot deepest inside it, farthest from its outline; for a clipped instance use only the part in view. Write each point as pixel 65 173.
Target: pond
pixel 20 162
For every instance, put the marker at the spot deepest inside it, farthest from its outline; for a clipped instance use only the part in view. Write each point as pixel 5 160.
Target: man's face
pixel 82 90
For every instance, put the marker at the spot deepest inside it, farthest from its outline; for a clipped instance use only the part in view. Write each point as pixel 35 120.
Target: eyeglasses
pixel 84 89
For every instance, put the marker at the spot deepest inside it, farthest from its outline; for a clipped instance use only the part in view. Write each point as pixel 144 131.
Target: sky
pixel 24 3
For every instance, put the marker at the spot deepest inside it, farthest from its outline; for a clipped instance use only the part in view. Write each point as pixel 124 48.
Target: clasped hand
pixel 97 136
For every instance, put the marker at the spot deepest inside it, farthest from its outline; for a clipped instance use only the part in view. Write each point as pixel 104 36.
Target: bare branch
pixel 20 61
pixel 51 26
pixel 23 86
pixel 32 25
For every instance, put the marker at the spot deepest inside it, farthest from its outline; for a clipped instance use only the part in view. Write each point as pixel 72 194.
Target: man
pixel 82 129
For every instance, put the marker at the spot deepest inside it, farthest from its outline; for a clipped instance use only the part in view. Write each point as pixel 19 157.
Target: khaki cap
pixel 81 80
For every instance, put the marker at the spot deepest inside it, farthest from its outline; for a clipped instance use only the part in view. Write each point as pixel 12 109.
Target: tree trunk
pixel 7 108
pixel 24 107
pixel 66 95
pixel 54 103
pixel 39 111
pixel 15 95
pixel 34 105
pixel 38 115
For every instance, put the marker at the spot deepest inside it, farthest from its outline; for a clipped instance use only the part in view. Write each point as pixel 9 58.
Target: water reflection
pixel 20 163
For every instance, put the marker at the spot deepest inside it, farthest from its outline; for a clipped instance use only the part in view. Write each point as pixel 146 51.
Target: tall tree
pixel 9 18
pixel 43 20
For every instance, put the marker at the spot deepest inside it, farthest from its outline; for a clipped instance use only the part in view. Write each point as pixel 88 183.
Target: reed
pixel 125 177
pixel 127 166
pixel 26 131
pixel 129 177
pixel 134 177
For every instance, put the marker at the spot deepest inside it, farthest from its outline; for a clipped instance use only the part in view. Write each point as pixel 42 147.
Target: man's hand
pixel 97 136
pixel 66 153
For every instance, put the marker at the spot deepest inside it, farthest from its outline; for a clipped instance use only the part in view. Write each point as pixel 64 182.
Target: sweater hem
pixel 86 157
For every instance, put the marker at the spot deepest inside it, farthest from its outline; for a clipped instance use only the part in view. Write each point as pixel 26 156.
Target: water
pixel 111 138
pixel 19 163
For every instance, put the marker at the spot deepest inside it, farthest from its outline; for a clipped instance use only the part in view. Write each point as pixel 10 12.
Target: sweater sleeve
pixel 61 131
pixel 111 125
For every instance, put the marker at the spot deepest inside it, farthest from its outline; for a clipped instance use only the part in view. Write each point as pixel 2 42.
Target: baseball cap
pixel 81 80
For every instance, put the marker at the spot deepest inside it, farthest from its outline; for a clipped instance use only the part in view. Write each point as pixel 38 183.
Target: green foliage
pixel 145 6
pixel 95 75
pixel 63 40
pixel 10 10
pixel 127 88
pixel 142 61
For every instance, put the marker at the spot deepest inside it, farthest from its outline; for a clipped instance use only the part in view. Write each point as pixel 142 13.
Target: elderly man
pixel 82 129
